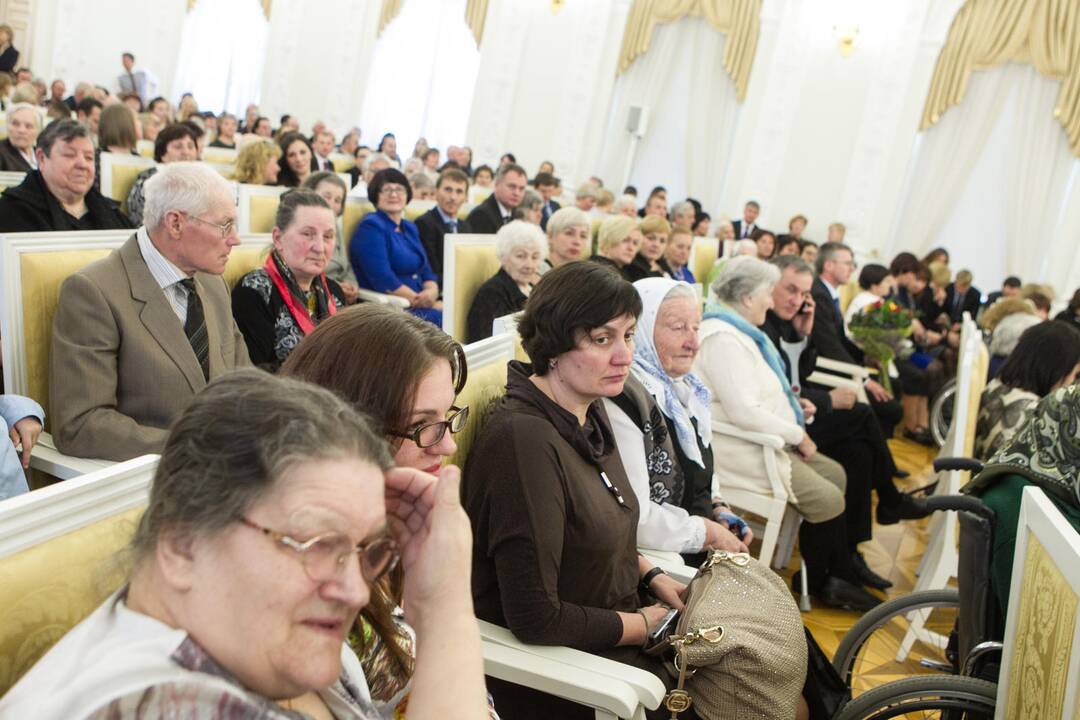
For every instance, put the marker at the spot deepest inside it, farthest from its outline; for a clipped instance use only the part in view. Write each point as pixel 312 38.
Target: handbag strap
pixel 678 700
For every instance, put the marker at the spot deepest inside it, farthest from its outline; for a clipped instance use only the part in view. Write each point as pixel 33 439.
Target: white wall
pixel 80 40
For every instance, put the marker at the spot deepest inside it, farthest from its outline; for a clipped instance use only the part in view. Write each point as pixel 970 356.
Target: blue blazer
pixel 386 256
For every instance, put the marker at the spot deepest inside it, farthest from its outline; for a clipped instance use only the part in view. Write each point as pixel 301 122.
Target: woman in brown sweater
pixel 554 517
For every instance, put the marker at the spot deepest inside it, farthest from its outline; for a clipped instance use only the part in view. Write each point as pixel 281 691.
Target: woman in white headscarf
pixel 662 428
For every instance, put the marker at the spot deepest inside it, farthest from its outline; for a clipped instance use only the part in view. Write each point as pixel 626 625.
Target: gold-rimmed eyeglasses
pixel 324 556
pixel 430 434
pixel 226 229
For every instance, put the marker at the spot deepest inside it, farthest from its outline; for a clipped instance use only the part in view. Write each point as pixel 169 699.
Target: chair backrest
pixel 1040 669
pixel 479 194
pixel 485 384
pixel 58 547
pixel 468 262
pixel 145 148
pixel 223 156
pixel 256 207
pixel 32 268
pixel 847 293
pixel 342 163
pixel 354 212
pixel 118 173
pixel 11 179
pixel 703 254
pixel 417 208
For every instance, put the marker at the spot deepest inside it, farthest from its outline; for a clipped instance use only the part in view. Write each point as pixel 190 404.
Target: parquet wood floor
pixel 894 552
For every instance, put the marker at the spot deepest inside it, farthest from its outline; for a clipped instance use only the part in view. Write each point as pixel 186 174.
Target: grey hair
pixel 745 247
pixel 376 157
pixel 208 478
pixel 24 106
pixel 65 130
pixel 519 233
pixel 531 200
pixel 190 187
pixel 827 252
pixel 682 207
pixel 587 190
pixel 292 201
pixel 421 179
pixel 783 262
pixel 627 201
pixel 743 277
pixel 567 217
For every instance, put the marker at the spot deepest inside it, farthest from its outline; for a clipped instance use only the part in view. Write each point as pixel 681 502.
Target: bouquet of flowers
pixel 879 329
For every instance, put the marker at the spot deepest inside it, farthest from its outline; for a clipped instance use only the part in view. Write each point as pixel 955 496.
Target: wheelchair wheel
pixel 941 411
pixel 949 697
pixel 862 666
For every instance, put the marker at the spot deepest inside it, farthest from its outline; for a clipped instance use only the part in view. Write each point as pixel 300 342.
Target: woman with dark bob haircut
pixel 386 253
pixel 1047 357
pixel 554 517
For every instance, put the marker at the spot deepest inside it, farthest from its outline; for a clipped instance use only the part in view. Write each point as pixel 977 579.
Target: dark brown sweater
pixel 554 552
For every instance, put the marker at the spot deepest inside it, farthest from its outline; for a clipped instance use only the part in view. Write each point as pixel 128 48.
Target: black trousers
pixel 855 440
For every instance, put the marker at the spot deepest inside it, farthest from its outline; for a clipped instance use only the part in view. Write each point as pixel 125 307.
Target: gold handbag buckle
pixel 678 701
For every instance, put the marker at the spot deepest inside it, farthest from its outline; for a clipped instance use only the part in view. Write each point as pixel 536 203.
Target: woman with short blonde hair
pixel 257 163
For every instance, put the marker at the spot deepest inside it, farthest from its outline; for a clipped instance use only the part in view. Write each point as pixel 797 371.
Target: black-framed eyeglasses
pixel 324 556
pixel 426 436
pixel 226 229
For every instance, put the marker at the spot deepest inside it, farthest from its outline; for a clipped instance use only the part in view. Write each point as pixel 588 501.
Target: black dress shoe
pixel 902 474
pixel 837 593
pixel 866 576
pixel 921 436
pixel 905 508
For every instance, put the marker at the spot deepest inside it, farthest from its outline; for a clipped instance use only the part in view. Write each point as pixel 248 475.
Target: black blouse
pixel 499 296
pixel 269 329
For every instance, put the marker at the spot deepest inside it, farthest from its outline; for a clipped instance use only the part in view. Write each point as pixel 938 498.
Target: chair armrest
pixel 382 298
pixel 773 441
pixel 836 366
pixel 670 562
pixel 838 381
pixel 45 457
pixel 570 674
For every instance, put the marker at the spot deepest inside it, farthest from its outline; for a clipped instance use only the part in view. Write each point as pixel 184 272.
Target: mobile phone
pixel 661 629
pixel 804 308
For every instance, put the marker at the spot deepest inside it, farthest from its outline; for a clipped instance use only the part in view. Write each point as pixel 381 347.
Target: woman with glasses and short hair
pixel 276 305
pixel 410 394
pixel 257 549
pixel 386 253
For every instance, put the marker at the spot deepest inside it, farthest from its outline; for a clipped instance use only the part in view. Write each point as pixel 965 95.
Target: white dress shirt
pixel 167 275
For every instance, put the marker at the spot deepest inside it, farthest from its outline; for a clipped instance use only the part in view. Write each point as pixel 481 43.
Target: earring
pixel 552 363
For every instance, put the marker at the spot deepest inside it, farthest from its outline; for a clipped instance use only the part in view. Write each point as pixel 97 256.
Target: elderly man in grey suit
pixel 138 333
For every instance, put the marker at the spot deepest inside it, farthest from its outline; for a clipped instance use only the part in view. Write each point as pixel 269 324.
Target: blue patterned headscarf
pixel 661 386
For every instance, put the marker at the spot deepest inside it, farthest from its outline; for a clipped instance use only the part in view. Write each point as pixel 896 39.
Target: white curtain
pixel 223 50
pixel 692 115
pixel 422 77
pixel 990 181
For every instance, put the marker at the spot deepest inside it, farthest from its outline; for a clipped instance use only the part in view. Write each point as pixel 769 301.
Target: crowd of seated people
pixel 614 414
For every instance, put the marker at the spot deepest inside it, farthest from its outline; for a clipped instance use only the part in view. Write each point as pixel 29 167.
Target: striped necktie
pixel 195 327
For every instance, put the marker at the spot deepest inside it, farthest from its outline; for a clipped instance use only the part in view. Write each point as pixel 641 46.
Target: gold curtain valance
pixel 987 33
pixel 390 10
pixel 740 20
pixel 265 6
pixel 475 15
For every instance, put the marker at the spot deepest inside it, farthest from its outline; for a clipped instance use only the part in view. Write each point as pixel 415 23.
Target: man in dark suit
pixel 547 185
pixel 450 192
pixel 961 297
pixel 493 213
pixel 835 263
pixel 322 146
pixel 745 228
pixel 1009 288
pixel 137 334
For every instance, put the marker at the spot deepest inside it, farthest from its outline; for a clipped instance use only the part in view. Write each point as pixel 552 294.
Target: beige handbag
pixel 739 648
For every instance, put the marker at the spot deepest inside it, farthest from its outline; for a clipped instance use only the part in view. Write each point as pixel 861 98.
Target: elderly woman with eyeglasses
pixel 410 394
pixel 386 252
pixel 257 549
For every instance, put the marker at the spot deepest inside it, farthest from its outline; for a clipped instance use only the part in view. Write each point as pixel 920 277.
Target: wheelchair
pixel 967 687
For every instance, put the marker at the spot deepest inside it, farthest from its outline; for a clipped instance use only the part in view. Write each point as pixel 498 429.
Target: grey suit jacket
pixel 121 368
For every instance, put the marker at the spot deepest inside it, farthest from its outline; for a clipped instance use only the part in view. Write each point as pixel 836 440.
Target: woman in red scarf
pixel 276 305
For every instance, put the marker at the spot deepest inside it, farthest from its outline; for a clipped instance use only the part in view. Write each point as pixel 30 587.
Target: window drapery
pixel 988 33
pixel 739 20
pixel 475 14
